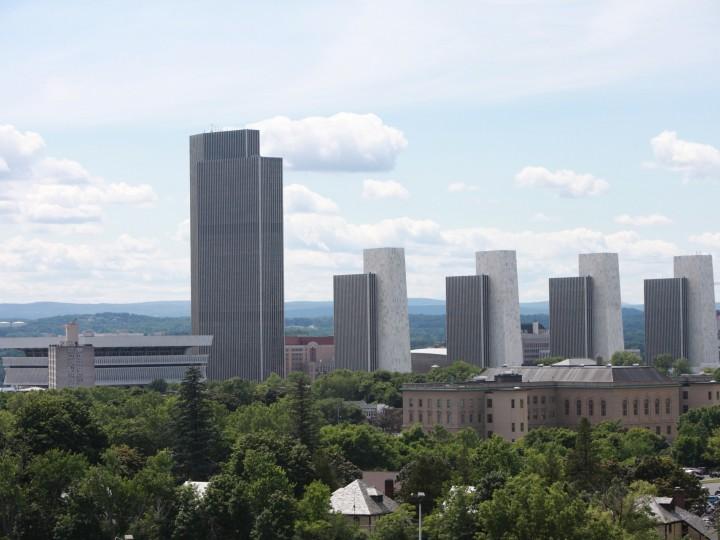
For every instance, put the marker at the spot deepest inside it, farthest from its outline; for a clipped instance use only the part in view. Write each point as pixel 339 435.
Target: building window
pixel 709 396
pixel 646 406
pixel 657 430
pixel 717 395
pixel 489 433
pixel 449 403
pixel 512 427
pixel 438 416
pixel 411 417
pixel 635 407
pixel 685 409
pixel 542 400
pixel 685 394
pixel 567 407
pixel 668 429
pixel 410 402
pixel 534 400
pixel 489 403
pixel 439 403
pixel 578 407
pixel 470 418
pixel 657 406
pixel 603 407
pixel 624 407
pixel 462 417
pixel 489 419
pixel 591 407
pixel 420 417
pixel 419 402
pixel 667 405
pixel 522 403
pixel 522 427
pixel 512 403
pixel 449 417
pixel 462 403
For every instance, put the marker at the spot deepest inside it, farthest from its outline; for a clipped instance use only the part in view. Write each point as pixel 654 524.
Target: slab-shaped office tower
pixel 701 321
pixel 236 237
pixel 503 306
pixel 393 326
pixel 355 322
pixel 571 320
pixel 607 325
pixel 466 319
pixel 666 318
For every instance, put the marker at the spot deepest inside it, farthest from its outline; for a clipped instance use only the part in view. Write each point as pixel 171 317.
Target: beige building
pixel 510 403
pixel 71 365
pixel 312 355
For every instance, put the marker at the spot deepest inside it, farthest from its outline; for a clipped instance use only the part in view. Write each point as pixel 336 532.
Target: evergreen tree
pixel 195 435
pixel 582 463
pixel 304 415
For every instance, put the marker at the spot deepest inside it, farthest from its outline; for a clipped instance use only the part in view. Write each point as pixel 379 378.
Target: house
pixel 362 504
pixel 674 522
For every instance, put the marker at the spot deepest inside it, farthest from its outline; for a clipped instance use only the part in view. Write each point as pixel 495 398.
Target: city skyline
pixel 602 139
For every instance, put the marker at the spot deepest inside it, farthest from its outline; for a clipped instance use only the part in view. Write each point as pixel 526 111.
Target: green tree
pixel 232 393
pixel 10 491
pixel 457 517
pixel 681 366
pixel 195 436
pixel 304 415
pixel 396 526
pixel 625 358
pixel 666 475
pixel 316 521
pixel 663 363
pixel 158 385
pixel 365 446
pixel 428 472
pixel 582 465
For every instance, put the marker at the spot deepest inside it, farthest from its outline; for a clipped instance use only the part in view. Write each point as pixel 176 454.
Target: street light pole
pixel 420 495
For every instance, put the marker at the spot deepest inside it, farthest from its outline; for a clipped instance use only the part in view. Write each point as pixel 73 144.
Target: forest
pixel 103 462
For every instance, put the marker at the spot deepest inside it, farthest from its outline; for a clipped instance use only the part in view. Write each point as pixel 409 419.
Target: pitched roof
pixel 586 374
pixel 360 499
pixel 663 510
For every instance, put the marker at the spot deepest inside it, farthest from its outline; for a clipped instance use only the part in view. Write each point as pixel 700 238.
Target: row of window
pixel 646 406
pixel 439 417
pixel 448 403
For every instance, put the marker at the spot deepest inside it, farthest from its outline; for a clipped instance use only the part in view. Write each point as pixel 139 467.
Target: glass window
pixel 685 394
pixel 603 407
pixel 462 403
pixel 489 419
pixel 657 406
pixel 489 433
pixel 624 407
pixel 449 417
pixel 567 407
pixel 512 403
pixel 635 407
pixel 709 396
pixel 534 400
pixel 668 430
pixel 542 400
pixel 521 403
pixel 439 403
pixel 420 417
pixel 657 430
pixel 591 407
pixel 438 415
pixel 411 417
pixel 489 403
pixel 578 407
pixel 646 406
pixel 470 418
pixel 668 401
pixel 685 409
pixel 449 404
pixel 419 402
pixel 462 417
pixel 522 427
pixel 410 402
pixel 512 427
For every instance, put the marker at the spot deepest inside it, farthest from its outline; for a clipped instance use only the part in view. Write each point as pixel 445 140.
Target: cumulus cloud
pixel 642 221
pixel 459 187
pixel 299 199
pixel 341 142
pixel 707 239
pixel 694 160
pixel 42 189
pixel 566 182
pixel 384 189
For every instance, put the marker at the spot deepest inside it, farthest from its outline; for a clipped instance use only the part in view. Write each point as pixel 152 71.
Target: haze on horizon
pixel 543 127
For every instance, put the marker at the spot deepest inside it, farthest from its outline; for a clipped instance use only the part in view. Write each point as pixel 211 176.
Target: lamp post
pixel 420 495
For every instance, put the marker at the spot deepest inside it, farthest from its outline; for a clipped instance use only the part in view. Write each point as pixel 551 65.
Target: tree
pixel 456 517
pixel 396 526
pixel 232 393
pixel 195 436
pixel 365 446
pixel 427 473
pixel 158 385
pixel 666 475
pixel 316 521
pixel 663 363
pixel 681 366
pixel 625 358
pixel 304 415
pixel 582 465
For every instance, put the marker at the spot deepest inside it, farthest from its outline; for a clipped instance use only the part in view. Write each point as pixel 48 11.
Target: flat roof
pixel 108 340
pixel 440 351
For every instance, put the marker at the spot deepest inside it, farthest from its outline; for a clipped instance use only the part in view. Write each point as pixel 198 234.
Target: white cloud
pixel 694 160
pixel 541 217
pixel 182 231
pixel 642 221
pixel 341 142
pixel 384 189
pixel 566 182
pixel 41 189
pixel 299 199
pixel 707 239
pixel 459 187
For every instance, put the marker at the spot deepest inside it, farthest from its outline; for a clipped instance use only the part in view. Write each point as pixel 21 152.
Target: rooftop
pixel 360 499
pixel 108 340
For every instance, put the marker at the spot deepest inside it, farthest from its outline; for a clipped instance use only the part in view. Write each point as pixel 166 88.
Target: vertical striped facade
pixel 571 317
pixel 666 318
pixel 466 319
pixel 236 236
pixel 355 322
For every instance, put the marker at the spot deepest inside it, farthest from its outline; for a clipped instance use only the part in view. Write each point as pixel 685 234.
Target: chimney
pixel 678 499
pixel 389 487
pixel 71 333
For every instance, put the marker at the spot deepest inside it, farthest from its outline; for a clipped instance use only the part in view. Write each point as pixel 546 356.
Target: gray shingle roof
pixel 587 374
pixel 664 512
pixel 360 499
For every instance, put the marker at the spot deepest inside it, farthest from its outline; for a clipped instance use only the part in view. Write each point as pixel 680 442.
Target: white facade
pixel 701 323
pixel 607 327
pixel 393 326
pixel 504 306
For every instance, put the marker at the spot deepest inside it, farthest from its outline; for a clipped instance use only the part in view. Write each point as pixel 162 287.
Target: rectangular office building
pixel 571 317
pixel 355 322
pixel 236 237
pixel 467 321
pixel 666 318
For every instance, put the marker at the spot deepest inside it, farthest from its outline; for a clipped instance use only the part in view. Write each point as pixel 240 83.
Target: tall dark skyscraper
pixel 666 318
pixel 467 319
pixel 355 322
pixel 571 317
pixel 236 235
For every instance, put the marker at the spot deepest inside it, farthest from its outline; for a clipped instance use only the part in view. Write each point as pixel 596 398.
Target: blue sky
pixel 548 127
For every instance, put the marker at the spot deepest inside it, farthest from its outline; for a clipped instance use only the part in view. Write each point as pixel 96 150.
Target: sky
pixel 550 128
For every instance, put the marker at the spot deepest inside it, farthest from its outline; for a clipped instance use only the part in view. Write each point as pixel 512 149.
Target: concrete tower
pixel 236 237
pixel 607 327
pixel 504 306
pixel 701 322
pixel 393 327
